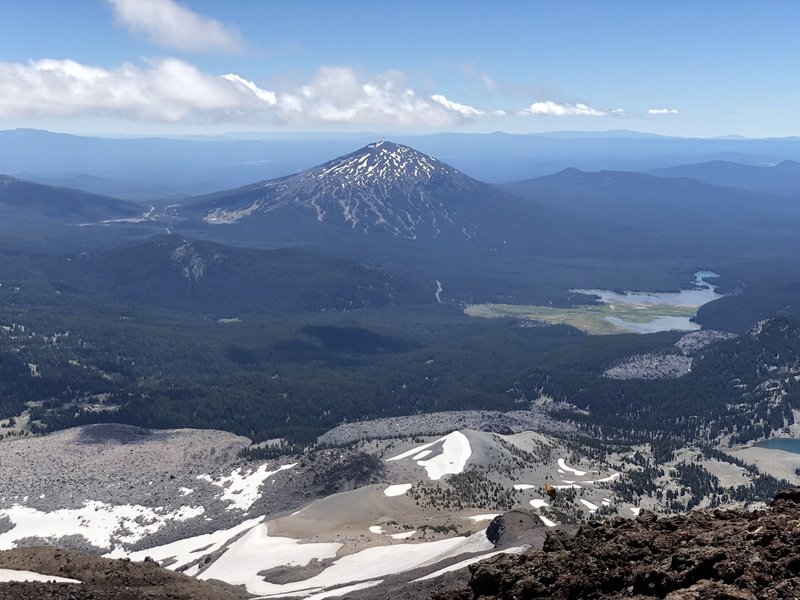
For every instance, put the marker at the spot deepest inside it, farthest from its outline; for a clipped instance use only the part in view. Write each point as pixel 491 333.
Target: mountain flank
pixel 383 186
pixel 25 198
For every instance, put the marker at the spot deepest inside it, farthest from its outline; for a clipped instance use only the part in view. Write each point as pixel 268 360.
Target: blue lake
pixel 785 444
pixel 702 293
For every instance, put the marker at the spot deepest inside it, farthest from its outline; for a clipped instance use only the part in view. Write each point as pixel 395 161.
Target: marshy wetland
pixel 617 312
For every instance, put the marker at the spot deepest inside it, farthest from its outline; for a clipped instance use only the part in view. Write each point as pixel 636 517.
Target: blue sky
pixel 200 66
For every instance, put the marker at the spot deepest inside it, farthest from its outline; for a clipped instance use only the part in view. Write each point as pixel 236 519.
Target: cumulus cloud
pixel 166 90
pixel 167 23
pixel 554 109
pixel 662 111
pixel 171 90
pixel 340 95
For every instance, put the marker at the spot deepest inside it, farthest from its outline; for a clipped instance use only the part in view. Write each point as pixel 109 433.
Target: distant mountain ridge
pixel 20 197
pixel 192 166
pixel 701 219
pixel 781 179
pixel 627 196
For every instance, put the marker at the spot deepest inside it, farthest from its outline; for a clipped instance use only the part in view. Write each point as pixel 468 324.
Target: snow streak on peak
pixel 383 186
pixel 385 162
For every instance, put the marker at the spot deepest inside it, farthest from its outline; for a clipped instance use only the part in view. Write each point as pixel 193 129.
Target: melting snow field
pixel 563 465
pixel 103 525
pixel 547 521
pixel 183 552
pixel 486 517
pixel 452 459
pixel 241 490
pixel 8 575
pixel 538 503
pixel 256 551
pixel 397 490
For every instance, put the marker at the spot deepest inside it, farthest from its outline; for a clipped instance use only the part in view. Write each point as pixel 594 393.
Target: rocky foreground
pixel 703 555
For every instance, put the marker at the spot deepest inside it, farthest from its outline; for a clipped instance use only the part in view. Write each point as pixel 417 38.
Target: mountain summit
pixel 382 186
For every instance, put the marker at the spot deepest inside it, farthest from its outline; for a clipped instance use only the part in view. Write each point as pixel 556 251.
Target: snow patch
pixel 9 575
pixel 102 525
pixel 186 551
pixel 452 459
pixel 397 490
pixel 547 521
pixel 563 465
pixel 241 489
pixel 486 517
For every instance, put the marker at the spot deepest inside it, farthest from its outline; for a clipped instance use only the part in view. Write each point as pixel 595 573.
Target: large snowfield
pixel 257 551
pixel 103 525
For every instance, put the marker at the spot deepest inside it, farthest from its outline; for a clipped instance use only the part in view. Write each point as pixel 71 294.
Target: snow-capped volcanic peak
pixel 383 186
pixel 385 163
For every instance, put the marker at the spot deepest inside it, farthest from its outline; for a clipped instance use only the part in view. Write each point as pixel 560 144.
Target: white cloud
pixel 662 111
pixel 463 109
pixel 261 94
pixel 466 110
pixel 554 109
pixel 340 95
pixel 174 91
pixel 167 23
pixel 166 90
